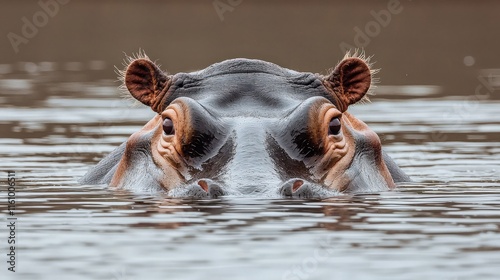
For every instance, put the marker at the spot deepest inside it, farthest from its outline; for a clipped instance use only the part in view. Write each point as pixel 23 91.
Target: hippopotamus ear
pixel 350 81
pixel 146 82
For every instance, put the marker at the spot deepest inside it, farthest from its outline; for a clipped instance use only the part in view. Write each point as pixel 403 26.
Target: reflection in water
pixel 409 91
pixel 444 225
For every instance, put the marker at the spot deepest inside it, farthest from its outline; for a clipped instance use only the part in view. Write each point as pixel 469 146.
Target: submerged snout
pixel 299 188
pixel 293 188
pixel 200 189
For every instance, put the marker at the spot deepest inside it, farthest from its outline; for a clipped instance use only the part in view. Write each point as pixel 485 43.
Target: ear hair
pixel 357 53
pixel 120 72
pixel 144 80
pixel 351 80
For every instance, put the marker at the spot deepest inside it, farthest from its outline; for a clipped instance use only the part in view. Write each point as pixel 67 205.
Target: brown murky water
pixel 61 112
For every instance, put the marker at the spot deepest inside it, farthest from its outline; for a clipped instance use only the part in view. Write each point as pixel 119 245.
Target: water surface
pixel 444 225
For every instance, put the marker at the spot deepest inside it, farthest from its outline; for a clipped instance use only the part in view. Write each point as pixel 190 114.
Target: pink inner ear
pixel 144 80
pixel 354 76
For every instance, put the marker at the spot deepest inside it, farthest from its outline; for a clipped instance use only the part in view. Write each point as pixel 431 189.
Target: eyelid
pixel 332 113
pixel 168 113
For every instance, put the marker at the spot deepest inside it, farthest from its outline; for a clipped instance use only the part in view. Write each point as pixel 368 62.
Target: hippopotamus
pixel 245 127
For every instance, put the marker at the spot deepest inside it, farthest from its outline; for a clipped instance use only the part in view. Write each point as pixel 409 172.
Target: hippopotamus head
pixel 249 127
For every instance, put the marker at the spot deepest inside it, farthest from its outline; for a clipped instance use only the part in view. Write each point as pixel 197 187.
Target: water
pixel 444 225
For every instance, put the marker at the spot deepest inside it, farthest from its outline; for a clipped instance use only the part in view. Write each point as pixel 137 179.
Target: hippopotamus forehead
pixel 255 94
pixel 248 88
pixel 243 65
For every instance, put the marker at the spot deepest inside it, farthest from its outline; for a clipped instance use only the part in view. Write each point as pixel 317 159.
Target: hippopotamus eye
pixel 168 127
pixel 334 127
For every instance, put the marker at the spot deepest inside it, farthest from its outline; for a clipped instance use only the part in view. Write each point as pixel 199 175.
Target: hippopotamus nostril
pixel 210 188
pixel 299 188
pixel 296 185
pixel 201 189
pixel 296 188
pixel 203 184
